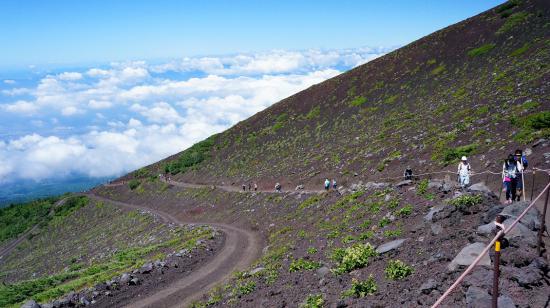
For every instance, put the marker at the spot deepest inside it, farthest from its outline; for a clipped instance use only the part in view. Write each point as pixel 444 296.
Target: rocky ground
pixel 414 222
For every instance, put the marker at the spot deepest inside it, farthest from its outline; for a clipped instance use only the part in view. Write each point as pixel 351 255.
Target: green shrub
pixel 397 270
pixel 384 222
pixel 358 101
pixel 302 264
pixel 70 205
pixel 512 21
pixel 438 70
pixel 246 288
pixel 313 301
pixel 531 126
pixel 313 113
pixel 192 156
pixel 466 200
pixel 17 218
pixel 481 50
pixel 393 233
pixel 404 211
pixel 133 184
pixel 361 288
pixel 310 201
pixel 354 257
pixel 366 235
pixel 311 250
pixel 453 155
pixel 520 50
pixel 507 6
pixel 422 187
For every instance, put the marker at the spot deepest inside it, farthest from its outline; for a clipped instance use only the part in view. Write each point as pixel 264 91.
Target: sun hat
pixel 464 158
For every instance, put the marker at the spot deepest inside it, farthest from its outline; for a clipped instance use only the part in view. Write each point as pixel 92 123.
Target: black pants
pixel 511 188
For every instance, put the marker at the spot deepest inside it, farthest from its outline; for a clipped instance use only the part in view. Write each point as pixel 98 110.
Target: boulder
pixel 125 278
pixel 146 268
pixel 434 210
pixel 530 220
pixel 482 188
pixel 486 229
pixel 404 183
pixel 134 281
pixel 492 213
pixel 373 185
pixel 257 270
pixel 477 298
pixel 299 187
pixel 436 229
pixel 323 271
pixel 505 302
pixel 520 234
pixel 84 301
pixel 48 305
pixel 467 256
pixel 30 304
pixel 390 246
pixel 428 286
pixel 526 276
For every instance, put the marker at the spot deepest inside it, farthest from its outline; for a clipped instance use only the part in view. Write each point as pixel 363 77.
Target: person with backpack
pixel 510 173
pixel 278 187
pixel 244 187
pixel 334 184
pixel 255 187
pixel 522 165
pixel 327 184
pixel 408 173
pixel 464 171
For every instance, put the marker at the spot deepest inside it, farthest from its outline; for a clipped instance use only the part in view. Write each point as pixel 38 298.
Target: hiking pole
pixel 522 185
pixel 543 222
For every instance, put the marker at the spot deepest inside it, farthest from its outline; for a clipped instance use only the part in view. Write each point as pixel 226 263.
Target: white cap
pixel 464 158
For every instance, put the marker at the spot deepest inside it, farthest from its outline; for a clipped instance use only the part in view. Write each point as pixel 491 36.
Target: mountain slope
pixel 479 86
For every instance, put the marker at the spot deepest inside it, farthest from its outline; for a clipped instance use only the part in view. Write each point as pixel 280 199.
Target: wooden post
pixel 543 222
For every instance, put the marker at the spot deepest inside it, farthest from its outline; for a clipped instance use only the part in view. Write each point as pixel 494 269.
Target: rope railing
pixel 486 249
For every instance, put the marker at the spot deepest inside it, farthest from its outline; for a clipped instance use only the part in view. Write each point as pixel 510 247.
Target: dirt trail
pixel 4 251
pixel 240 250
pixel 228 188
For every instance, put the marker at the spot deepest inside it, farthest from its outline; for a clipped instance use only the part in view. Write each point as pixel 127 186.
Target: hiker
pixel 334 184
pixel 244 187
pixel 249 187
pixel 510 173
pixel 255 187
pixel 327 184
pixel 408 173
pixel 463 172
pixel 522 165
pixel 278 187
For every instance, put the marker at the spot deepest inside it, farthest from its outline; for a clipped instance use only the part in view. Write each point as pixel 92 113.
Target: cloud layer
pixel 105 121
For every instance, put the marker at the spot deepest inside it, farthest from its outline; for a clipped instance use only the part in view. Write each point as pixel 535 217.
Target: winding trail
pixel 4 251
pixel 241 248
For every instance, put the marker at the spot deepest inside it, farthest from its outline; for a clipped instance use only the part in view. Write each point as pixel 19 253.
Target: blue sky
pixel 86 32
pixel 99 88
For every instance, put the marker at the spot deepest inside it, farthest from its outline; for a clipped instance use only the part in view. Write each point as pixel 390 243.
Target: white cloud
pixel 71 110
pixel 22 107
pixel 69 76
pixel 93 104
pixel 9 81
pixel 149 112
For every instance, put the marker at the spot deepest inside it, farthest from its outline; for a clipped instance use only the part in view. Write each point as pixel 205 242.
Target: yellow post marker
pixel 497 246
pixel 496 275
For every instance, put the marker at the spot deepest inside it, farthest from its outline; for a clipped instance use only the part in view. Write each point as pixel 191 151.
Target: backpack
pixel 524 162
pixel 512 170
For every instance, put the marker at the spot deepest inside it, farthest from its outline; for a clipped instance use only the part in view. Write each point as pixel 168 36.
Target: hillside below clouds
pixel 479 88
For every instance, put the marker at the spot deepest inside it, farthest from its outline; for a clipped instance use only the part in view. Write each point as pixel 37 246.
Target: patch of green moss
pixel 481 50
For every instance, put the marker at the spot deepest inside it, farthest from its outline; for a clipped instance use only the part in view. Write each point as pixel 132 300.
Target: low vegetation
pixel 397 270
pixel 481 50
pixel 356 256
pixel 191 157
pixel 466 201
pixel 18 218
pixel 361 288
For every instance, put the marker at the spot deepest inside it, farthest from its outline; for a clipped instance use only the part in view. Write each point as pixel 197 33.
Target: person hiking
pixel 249 186
pixel 244 187
pixel 255 187
pixel 522 165
pixel 327 184
pixel 278 187
pixel 408 174
pixel 334 184
pixel 463 172
pixel 509 177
